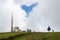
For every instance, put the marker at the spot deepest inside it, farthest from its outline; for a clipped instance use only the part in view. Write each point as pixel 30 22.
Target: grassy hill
pixel 7 35
pixel 30 36
pixel 39 36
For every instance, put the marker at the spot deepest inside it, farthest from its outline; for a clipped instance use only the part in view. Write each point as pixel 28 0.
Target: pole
pixel 12 22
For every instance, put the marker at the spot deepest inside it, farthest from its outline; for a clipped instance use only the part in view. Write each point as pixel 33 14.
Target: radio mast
pixel 12 22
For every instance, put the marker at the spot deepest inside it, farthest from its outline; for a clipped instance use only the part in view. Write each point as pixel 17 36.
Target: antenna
pixel 12 22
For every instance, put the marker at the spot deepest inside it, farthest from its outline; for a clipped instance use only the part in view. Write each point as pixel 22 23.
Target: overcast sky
pixel 46 13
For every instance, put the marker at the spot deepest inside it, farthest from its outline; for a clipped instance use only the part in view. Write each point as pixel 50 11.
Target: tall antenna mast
pixel 12 22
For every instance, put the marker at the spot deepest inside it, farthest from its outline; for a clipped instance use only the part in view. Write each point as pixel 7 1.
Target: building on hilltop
pixel 49 28
pixel 16 29
pixel 28 30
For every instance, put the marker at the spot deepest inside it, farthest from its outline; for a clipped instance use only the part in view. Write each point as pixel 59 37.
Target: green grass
pixel 39 36
pixel 32 36
pixel 53 36
pixel 8 34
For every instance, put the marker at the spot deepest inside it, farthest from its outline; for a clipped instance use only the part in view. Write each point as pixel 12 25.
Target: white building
pixel 16 29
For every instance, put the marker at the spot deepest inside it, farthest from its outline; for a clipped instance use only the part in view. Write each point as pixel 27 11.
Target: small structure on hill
pixel 23 31
pixel 48 28
pixel 28 30
pixel 52 30
pixel 16 29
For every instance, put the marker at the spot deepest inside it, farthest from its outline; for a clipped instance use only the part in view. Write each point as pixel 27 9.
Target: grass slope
pixel 6 35
pixel 31 36
pixel 39 36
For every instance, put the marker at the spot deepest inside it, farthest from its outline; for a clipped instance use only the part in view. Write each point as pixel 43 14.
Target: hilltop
pixel 30 36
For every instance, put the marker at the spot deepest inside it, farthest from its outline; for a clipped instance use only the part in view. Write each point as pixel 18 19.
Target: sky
pixel 46 13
